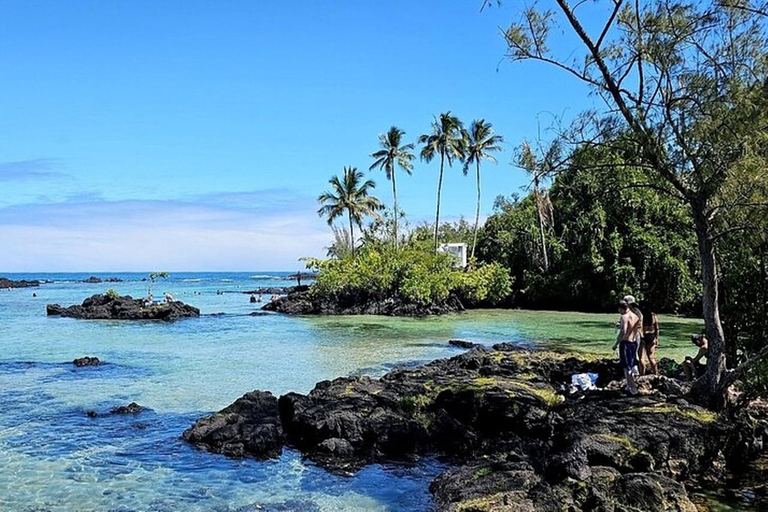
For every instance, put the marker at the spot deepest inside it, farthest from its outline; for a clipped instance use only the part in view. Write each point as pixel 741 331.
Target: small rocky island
pixel 97 280
pixel 518 441
pixel 105 307
pixel 8 283
pixel 305 303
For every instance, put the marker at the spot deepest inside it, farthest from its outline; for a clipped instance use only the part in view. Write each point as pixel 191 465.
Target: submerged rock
pixel 464 344
pixel 283 506
pixel 86 361
pixel 102 307
pixel 304 303
pixel 131 408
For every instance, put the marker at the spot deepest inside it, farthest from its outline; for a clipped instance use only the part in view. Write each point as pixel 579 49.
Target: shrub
pixel 112 294
pixel 488 284
pixel 418 276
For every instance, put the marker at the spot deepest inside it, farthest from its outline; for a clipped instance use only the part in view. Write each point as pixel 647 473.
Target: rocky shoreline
pixel 518 441
pixel 305 303
pixel 103 307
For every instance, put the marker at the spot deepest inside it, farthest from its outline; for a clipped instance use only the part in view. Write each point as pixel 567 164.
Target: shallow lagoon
pixel 54 457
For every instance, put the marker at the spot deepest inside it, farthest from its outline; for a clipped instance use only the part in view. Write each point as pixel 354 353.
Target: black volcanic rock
pixel 131 408
pixel 517 442
pixel 96 280
pixel 305 303
pixel 464 344
pixel 86 361
pixel 102 307
pixel 272 290
pixel 7 283
pixel 250 426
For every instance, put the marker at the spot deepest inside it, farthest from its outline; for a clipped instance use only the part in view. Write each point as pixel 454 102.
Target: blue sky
pixel 196 135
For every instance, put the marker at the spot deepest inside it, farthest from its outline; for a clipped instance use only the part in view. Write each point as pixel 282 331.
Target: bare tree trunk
pixel 712 382
pixel 477 211
pixel 537 195
pixel 394 196
pixel 439 188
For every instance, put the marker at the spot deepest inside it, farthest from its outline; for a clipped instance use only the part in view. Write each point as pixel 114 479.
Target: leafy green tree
pixel 393 154
pixel 686 82
pixel 349 195
pixel 480 142
pixel 446 140
pixel 611 238
pixel 460 231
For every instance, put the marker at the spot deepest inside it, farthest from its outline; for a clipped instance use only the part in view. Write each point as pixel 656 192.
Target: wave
pixel 264 276
pixel 191 280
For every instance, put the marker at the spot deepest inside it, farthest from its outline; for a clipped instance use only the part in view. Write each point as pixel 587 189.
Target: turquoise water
pixel 54 457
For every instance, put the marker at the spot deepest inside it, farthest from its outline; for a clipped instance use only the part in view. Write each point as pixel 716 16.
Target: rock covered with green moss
pixel 518 442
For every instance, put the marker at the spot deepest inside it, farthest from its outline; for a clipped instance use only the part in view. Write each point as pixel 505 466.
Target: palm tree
pixel 538 169
pixel 446 140
pixel 480 143
pixel 349 195
pixel 390 155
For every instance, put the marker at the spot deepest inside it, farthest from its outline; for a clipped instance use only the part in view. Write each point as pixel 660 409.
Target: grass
pixel 699 415
pixel 623 441
pixel 482 503
pixel 594 332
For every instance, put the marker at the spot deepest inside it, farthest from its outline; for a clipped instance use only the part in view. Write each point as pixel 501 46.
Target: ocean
pixel 54 457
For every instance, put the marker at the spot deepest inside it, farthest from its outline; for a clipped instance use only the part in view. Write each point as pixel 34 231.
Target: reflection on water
pixel 55 457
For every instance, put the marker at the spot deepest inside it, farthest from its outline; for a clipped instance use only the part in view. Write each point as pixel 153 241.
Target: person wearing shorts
pixel 650 340
pixel 626 341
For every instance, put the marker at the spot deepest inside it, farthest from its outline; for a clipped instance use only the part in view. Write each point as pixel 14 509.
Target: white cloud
pixel 267 230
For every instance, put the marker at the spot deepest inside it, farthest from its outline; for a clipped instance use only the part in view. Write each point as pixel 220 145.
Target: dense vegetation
pixel 417 276
pixel 663 194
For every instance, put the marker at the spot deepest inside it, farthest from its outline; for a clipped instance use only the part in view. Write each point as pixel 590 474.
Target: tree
pixel 154 276
pixel 480 142
pixel 539 169
pixel 350 195
pixel 391 155
pixel 686 82
pixel 447 140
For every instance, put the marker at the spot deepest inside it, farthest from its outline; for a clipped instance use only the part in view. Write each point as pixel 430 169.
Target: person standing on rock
pixel 650 340
pixel 626 341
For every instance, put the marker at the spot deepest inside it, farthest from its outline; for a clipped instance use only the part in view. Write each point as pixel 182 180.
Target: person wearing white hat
pixel 626 341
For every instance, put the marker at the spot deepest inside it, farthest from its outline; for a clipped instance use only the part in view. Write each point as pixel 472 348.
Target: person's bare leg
pixel 652 357
pixel 640 364
pixel 631 385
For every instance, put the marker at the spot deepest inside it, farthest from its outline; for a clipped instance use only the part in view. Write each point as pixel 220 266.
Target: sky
pixel 196 135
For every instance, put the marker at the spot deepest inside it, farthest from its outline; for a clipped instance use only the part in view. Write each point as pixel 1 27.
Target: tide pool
pixel 55 457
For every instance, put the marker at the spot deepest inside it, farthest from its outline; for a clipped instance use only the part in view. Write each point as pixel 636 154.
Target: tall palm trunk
pixel 439 188
pixel 394 199
pixel 477 211
pixel 716 367
pixel 351 233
